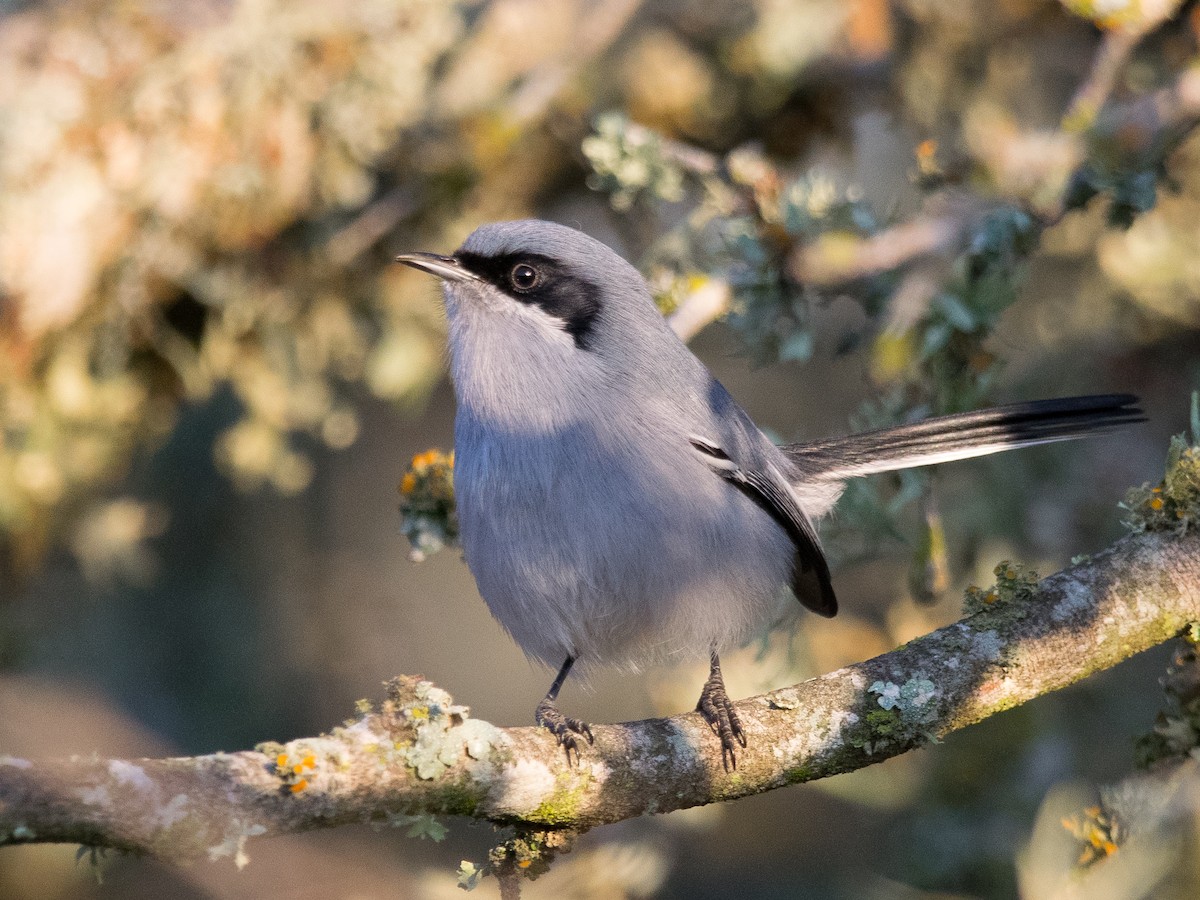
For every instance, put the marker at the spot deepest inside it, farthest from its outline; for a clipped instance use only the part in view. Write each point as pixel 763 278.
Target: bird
pixel 616 506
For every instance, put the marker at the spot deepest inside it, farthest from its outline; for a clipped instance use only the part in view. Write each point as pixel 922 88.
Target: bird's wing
pixel 767 487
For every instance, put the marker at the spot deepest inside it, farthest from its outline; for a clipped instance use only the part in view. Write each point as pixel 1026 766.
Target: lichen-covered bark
pixel 421 753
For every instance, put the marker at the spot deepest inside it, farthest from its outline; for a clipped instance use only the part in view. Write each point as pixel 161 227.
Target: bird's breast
pixel 611 543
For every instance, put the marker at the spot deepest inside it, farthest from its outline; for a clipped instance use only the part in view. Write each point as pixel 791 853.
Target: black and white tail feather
pixel 962 436
pixel 937 440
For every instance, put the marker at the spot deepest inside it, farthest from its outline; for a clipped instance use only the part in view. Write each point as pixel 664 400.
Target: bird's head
pixel 561 285
pixel 544 314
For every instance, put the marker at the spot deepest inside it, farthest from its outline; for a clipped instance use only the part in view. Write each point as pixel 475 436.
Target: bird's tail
pixel 961 436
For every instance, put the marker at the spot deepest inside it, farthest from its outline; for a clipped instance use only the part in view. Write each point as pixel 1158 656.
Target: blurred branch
pixel 379 219
pixel 1116 46
pixel 421 754
pixel 1157 120
pixel 700 308
pixel 600 27
pixel 1173 107
pixel 693 160
pixel 939 231
pixel 821 237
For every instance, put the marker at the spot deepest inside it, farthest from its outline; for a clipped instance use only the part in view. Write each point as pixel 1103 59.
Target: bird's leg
pixel 718 712
pixel 562 727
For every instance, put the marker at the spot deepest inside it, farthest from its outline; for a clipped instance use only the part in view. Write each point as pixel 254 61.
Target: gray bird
pixel 616 504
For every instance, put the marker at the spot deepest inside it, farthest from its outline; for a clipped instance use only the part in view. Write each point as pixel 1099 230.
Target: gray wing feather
pixel 768 488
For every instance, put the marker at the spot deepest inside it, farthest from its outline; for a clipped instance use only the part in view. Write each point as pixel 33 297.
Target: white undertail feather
pixel 916 459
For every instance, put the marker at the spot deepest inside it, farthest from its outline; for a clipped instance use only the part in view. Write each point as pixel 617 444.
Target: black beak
pixel 447 268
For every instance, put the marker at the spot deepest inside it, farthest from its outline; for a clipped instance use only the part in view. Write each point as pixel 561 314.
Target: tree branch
pixel 1116 48
pixel 422 754
pixel 941 229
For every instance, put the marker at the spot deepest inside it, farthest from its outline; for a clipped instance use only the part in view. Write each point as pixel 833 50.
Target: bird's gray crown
pixel 534 235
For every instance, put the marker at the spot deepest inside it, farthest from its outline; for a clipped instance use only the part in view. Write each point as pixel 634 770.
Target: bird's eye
pixel 524 277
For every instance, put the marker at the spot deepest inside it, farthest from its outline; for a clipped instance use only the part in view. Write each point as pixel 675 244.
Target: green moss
pixel 875 729
pixel 460 799
pixel 562 807
pixel 798 774
pixel 883 722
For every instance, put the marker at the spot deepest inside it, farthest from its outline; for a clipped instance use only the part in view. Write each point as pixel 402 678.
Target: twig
pixel 600 28
pixel 379 219
pixel 688 157
pixel 1116 46
pixel 931 234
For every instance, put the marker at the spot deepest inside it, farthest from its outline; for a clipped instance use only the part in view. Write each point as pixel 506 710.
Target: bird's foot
pixel 564 728
pixel 722 718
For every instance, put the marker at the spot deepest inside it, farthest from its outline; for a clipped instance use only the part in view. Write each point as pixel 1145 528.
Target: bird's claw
pixel 564 728
pixel 717 710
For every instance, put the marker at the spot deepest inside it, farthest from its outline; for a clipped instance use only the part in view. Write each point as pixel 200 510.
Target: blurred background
pixel 212 382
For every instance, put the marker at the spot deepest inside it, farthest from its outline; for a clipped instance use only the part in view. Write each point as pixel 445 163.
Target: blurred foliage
pixel 629 164
pixel 1174 503
pixel 199 202
pixel 174 191
pixel 931 290
pixel 428 516
pixel 194 199
pixel 1176 731
pixel 1098 833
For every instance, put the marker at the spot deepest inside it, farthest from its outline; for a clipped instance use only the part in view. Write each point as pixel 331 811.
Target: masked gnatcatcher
pixel 616 505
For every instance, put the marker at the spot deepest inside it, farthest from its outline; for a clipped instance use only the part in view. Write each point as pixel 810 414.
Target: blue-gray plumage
pixel 616 505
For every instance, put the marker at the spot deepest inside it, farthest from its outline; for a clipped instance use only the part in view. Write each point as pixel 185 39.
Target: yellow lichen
pixel 1013 581
pixel 1098 831
pixel 1174 503
pixel 427 505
